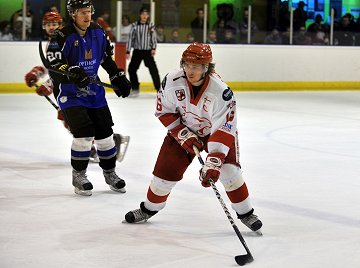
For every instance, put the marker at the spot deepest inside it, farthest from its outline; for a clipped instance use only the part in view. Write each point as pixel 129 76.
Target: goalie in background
pixel 198 109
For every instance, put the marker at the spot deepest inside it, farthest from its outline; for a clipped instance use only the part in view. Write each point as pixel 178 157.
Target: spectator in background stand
pixel 244 27
pixel 190 38
pixel 284 16
pixel 219 27
pixel 344 34
pixel 5 31
pixel 160 35
pixel 175 36
pixel 125 28
pixel 274 38
pixel 53 8
pixel 300 16
pixel 229 37
pixel 17 21
pixel 211 37
pixel 301 37
pixel 197 25
pixel 142 39
pixel 103 21
pixel 318 32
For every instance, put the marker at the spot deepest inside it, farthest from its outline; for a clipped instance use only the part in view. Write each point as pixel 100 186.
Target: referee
pixel 142 38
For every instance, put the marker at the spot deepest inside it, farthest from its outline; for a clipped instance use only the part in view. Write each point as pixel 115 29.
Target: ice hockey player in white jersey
pixel 199 109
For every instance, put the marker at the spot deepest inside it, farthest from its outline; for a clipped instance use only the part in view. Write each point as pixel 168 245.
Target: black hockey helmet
pixel 73 5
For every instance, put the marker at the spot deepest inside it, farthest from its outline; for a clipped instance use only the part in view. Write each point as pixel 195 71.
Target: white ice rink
pixel 300 152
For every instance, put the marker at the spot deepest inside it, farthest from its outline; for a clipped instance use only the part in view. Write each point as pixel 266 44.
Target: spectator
pixel 103 21
pixel 274 38
pixel 220 28
pixel 125 28
pixel 318 32
pixel 175 36
pixel 53 8
pixel 211 37
pixel 5 31
pixel 197 25
pixel 284 16
pixel 244 28
pixel 190 38
pixel 160 34
pixel 344 34
pixel 229 37
pixel 301 37
pixel 17 21
pixel 142 39
pixel 300 16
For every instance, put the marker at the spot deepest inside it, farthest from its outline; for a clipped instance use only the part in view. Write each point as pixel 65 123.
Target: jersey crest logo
pixel 227 94
pixel 88 54
pixel 180 94
pixel 76 43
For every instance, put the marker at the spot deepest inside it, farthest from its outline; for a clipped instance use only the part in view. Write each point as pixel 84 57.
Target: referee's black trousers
pixel 137 57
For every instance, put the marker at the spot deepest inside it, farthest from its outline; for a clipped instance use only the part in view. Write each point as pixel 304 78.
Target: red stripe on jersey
pixel 156 198
pixel 168 119
pixel 238 195
pixel 222 137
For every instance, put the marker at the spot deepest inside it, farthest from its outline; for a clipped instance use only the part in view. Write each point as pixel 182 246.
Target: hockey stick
pixel 49 100
pixel 240 259
pixel 51 69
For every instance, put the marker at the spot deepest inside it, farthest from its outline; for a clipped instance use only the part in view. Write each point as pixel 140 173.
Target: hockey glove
pixel 211 168
pixel 121 82
pixel 33 76
pixel 60 116
pixel 45 89
pixel 80 78
pixel 186 138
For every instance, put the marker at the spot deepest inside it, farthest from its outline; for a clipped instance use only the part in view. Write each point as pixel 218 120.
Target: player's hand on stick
pixel 45 89
pixel 122 83
pixel 33 76
pixel 211 168
pixel 186 138
pixel 80 78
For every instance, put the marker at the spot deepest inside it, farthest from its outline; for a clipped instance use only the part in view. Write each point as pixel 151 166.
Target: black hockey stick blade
pixel 244 259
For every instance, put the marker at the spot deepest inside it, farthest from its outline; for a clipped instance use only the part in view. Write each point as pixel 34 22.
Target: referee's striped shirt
pixel 142 36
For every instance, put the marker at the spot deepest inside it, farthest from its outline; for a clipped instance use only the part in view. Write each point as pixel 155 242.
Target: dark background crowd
pixel 227 22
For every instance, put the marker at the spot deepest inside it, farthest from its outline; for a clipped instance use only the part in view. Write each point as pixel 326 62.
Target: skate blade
pixel 122 190
pixel 123 148
pixel 82 192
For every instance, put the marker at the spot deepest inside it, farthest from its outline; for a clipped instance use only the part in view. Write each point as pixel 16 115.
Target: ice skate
pixel 82 186
pixel 121 144
pixel 139 215
pixel 93 155
pixel 115 183
pixel 251 221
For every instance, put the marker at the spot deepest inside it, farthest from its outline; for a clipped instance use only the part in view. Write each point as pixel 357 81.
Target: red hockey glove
pixel 45 89
pixel 60 116
pixel 211 168
pixel 33 76
pixel 186 138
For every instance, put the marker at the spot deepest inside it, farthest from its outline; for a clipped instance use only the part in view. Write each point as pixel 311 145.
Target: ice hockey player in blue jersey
pixel 83 46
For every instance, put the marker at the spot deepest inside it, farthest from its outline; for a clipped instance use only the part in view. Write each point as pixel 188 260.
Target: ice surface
pixel 300 152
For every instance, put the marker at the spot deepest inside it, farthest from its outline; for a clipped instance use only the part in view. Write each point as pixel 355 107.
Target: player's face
pixel 82 17
pixel 50 27
pixel 194 73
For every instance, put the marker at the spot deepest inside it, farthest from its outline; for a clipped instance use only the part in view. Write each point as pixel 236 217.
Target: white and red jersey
pixel 212 113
